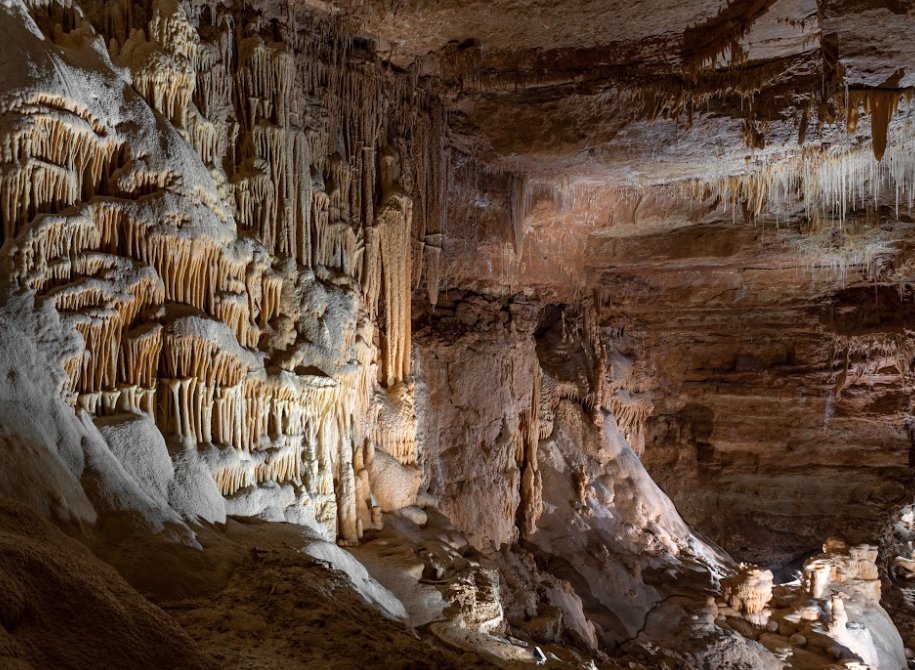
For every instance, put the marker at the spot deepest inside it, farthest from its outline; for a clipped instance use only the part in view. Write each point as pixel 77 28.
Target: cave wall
pixel 235 206
pixel 781 398
pixel 230 206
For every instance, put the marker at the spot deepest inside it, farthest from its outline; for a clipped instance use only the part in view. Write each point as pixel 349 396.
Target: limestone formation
pixel 561 333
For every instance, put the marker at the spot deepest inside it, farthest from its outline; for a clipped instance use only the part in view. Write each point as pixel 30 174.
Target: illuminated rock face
pixel 541 277
pixel 225 213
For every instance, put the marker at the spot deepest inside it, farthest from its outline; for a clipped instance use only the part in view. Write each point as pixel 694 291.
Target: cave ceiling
pixel 611 120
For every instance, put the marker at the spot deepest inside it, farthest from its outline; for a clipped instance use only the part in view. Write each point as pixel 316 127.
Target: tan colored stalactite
pixel 284 226
pixel 254 289
pixel 57 158
pixel 335 236
pixel 111 219
pixel 430 160
pixel 257 408
pixel 96 278
pixel 395 264
pixel 272 292
pixel 273 195
pixel 140 350
pixel 126 399
pixel 285 465
pixel 393 224
pixel 117 401
pixel 42 252
pixel 185 408
pixel 233 309
pixel 232 479
pixel 188 268
pixel 320 217
pixel 71 367
pixel 371 272
pixel 631 413
pixel 830 181
pixel 882 105
pixel 228 416
pixel 31 185
pixel 863 356
pixel 246 414
pixel 265 81
pixel 210 141
pixel 432 260
pixel 214 89
pixel 186 357
pixel 101 330
pixel 137 399
pixel 401 446
pixel 162 65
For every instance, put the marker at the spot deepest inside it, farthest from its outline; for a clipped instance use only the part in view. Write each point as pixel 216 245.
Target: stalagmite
pixel 749 591
pixel 395 428
pixel 531 478
pixel 849 568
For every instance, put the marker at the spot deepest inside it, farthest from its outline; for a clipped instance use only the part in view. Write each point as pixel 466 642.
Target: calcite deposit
pixel 454 334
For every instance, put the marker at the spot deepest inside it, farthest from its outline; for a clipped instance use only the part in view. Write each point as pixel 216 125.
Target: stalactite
pixel 59 155
pixel 284 464
pixel 630 411
pixel 233 309
pixel 185 408
pixel 882 105
pixel 400 445
pixel 393 224
pixel 101 330
pixel 140 350
pixel 432 259
pixel 233 478
pixel 210 364
pixel 211 141
pixel 162 67
pixel 48 241
pixel 829 182
pixel 866 355
pixel 188 267
pixel 272 293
